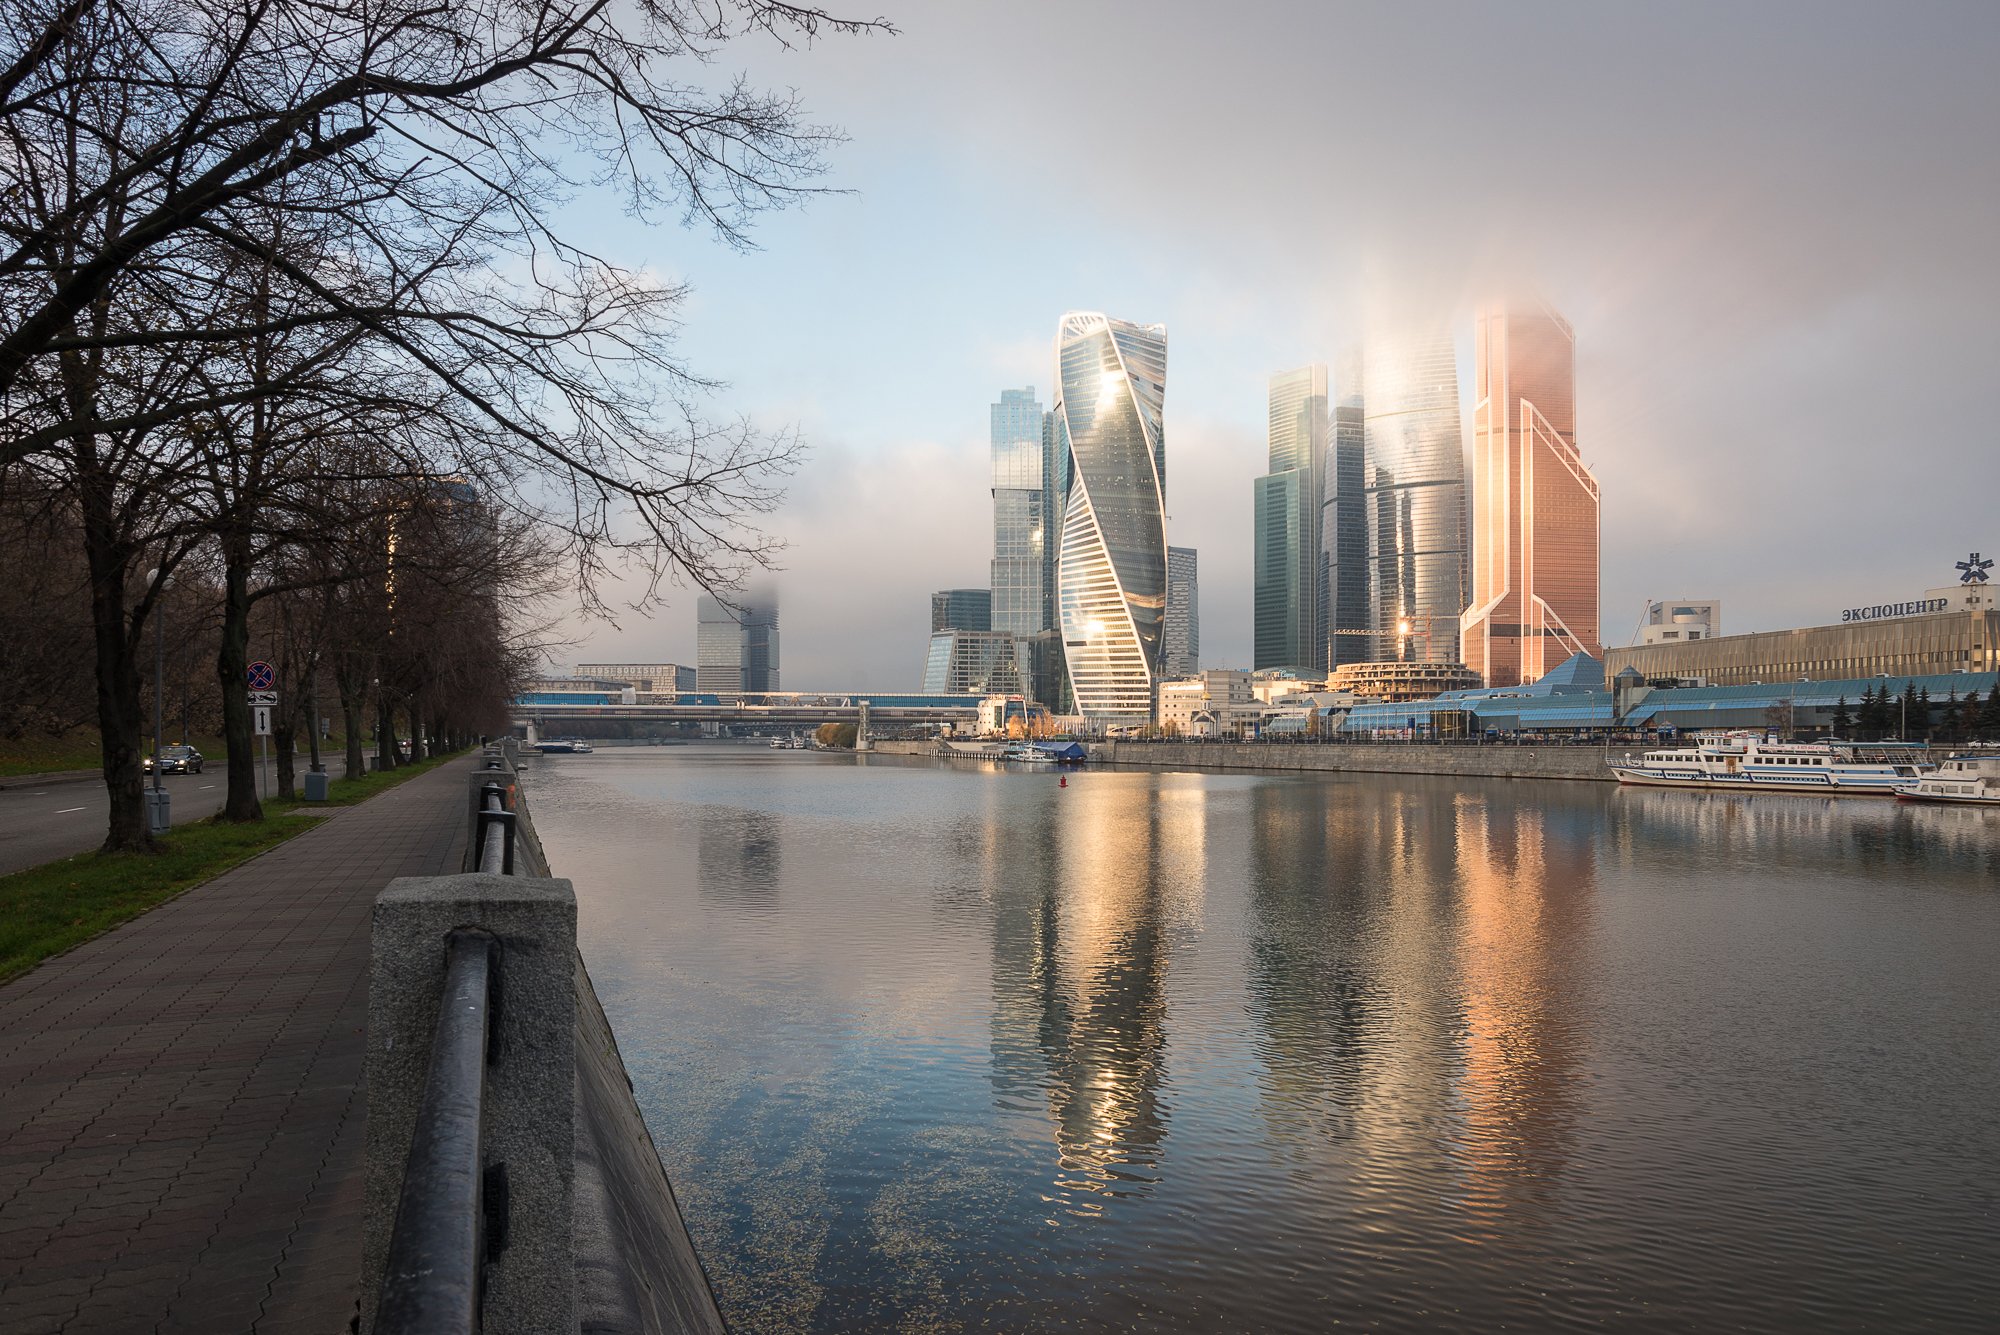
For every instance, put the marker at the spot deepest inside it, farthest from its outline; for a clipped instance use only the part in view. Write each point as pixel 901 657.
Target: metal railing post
pixel 437 1248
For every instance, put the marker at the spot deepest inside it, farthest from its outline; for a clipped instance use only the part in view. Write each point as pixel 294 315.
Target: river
pixel 937 1046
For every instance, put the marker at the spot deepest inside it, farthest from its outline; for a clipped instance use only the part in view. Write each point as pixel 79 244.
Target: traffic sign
pixel 263 697
pixel 262 676
pixel 261 721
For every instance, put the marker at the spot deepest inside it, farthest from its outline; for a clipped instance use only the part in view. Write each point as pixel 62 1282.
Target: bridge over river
pixel 551 713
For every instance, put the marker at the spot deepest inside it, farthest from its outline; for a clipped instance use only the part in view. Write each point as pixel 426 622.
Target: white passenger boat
pixel 1749 764
pixel 1972 778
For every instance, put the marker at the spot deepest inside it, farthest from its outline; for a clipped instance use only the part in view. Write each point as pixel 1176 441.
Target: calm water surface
pixel 938 1047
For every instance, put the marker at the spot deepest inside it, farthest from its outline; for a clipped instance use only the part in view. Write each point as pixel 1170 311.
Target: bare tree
pixel 445 141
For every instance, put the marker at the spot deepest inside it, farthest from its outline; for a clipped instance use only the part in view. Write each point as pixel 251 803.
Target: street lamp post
pixel 318 761
pixel 157 578
pixel 156 807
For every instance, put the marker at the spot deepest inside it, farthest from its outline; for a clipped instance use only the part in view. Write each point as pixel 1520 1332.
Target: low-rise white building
pixel 1216 703
pixel 1678 620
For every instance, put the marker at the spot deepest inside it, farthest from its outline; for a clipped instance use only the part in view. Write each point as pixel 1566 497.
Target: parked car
pixel 176 760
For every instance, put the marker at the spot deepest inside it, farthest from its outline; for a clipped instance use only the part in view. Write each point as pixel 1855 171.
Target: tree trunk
pixel 352 712
pixel 121 715
pixel 284 736
pixel 231 662
pixel 386 756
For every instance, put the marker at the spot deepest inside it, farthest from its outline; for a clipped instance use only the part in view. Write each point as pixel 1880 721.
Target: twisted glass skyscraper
pixel 1111 580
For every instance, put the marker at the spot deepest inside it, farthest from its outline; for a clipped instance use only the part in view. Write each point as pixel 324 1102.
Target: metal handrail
pixel 438 1246
pixel 496 832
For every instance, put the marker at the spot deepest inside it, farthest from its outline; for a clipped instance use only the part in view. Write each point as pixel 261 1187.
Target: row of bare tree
pixel 287 312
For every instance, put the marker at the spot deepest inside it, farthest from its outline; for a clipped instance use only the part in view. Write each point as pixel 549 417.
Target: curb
pixel 49 780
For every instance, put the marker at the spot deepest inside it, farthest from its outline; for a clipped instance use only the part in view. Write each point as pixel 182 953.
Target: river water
pixel 937 1046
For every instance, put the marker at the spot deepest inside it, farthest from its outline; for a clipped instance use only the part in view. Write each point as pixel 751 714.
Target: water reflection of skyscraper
pixel 1081 938
pixel 1528 877
pixel 1411 968
pixel 737 852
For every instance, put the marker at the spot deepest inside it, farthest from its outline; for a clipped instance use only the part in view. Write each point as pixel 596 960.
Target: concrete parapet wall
pixel 1497 762
pixel 529 1116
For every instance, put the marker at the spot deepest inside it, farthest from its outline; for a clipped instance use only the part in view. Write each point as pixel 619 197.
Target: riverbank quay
pixel 1585 763
pixel 181 1110
pixel 511 1184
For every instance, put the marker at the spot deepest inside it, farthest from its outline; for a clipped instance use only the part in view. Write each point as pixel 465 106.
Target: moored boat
pixel 1751 764
pixel 1971 778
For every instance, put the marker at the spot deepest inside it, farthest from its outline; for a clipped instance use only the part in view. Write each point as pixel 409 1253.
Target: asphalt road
pixel 39 825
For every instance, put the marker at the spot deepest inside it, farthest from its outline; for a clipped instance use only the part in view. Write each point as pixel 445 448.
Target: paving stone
pixel 180 1123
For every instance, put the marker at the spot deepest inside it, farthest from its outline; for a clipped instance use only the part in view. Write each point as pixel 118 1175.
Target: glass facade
pixel 1289 563
pixel 1183 652
pixel 1535 504
pixel 736 649
pixel 1112 576
pixel 962 609
pixel 972 662
pixel 1348 614
pixel 1414 487
pixel 1019 574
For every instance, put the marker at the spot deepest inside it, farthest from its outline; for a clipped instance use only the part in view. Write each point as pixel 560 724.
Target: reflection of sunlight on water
pixel 1525 894
pixel 938 1048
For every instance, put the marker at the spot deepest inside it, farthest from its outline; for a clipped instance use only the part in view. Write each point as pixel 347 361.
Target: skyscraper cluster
pixel 1373 543
pixel 1368 547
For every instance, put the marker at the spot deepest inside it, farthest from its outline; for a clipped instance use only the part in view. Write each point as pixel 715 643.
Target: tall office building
pixel 736 648
pixel 1345 609
pixel 1414 486
pixel 1288 557
pixel 1182 657
pixel 1535 504
pixel 962 609
pixel 1019 538
pixel 1111 581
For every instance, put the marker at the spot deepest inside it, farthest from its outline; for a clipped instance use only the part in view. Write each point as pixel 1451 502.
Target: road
pixel 39 825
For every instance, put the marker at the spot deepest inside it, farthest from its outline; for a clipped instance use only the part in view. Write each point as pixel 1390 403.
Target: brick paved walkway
pixel 181 1110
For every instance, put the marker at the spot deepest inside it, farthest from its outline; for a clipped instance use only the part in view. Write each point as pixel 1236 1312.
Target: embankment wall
pixel 637 1272
pixel 1488 762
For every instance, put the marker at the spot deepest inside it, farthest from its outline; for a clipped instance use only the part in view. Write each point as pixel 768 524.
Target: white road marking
pixel 207 786
pixel 66 810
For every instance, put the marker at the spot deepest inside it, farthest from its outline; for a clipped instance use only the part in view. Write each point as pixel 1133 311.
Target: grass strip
pixel 79 749
pixel 48 909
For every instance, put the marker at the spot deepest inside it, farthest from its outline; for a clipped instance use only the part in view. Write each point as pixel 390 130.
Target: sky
pixel 1774 227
